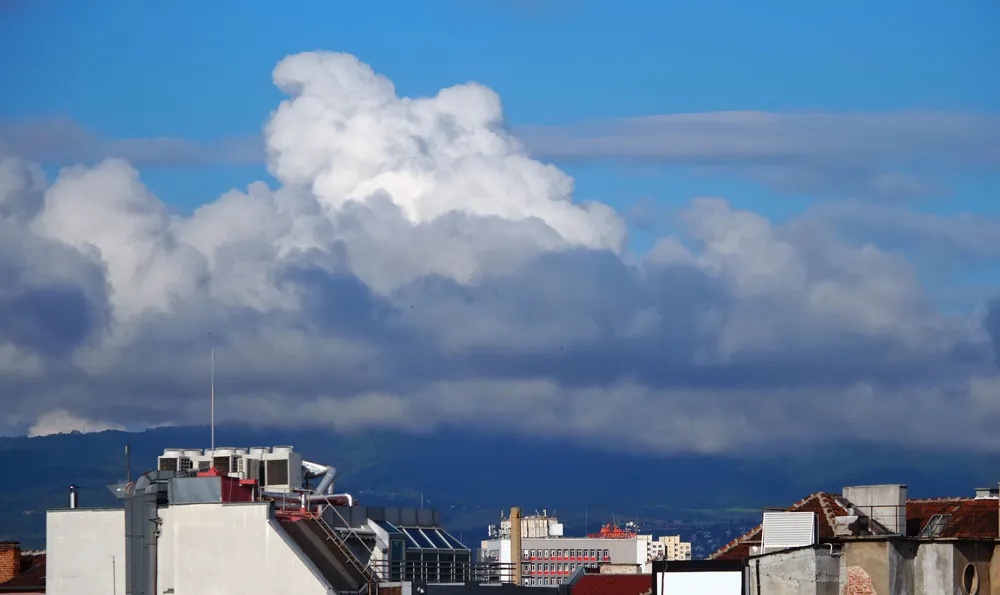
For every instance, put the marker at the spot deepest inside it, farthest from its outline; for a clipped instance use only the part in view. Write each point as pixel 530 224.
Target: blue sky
pixel 202 70
pixel 856 261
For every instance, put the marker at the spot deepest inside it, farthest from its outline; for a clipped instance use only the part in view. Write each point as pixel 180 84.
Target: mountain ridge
pixel 472 476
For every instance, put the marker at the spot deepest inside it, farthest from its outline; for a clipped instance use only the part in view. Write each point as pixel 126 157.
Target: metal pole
pixel 213 406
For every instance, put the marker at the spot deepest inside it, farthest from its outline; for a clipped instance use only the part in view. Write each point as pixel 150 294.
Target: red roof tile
pixel 826 506
pixel 613 584
pixel 31 578
pixel 968 518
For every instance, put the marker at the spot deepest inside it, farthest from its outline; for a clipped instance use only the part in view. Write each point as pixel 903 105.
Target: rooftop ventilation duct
pixel 783 530
pixel 316 470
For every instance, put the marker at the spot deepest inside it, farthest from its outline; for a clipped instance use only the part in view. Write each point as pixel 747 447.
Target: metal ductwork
pixel 142 530
pixel 331 499
pixel 316 470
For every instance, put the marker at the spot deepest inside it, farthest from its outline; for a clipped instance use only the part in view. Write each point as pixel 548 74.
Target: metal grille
pixel 277 472
pixel 221 464
pixel 168 464
pixel 788 529
pixel 185 464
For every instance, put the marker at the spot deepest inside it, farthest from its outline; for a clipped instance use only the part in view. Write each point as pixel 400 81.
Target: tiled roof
pixel 613 584
pixel 31 578
pixel 826 506
pixel 968 518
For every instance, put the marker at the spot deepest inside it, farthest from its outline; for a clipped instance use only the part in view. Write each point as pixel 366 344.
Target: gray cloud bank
pixel 416 268
pixel 893 155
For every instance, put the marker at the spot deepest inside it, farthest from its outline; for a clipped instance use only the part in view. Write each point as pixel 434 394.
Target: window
pixel 525 554
pixel 534 554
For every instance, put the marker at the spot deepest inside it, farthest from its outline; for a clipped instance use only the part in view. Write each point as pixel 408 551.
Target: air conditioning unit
pixel 167 463
pixel 282 469
pixel 224 464
pixel 249 468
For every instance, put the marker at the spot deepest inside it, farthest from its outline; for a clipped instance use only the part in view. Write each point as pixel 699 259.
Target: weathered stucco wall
pixel 978 555
pixel 879 567
pixel 797 572
pixel 901 560
pixel 865 568
pixel 994 572
pixel 932 570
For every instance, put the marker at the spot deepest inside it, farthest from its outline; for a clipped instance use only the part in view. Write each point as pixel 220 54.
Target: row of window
pixel 541 582
pixel 553 568
pixel 568 554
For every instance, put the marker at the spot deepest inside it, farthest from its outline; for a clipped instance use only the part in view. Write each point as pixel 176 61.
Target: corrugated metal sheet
pixel 789 529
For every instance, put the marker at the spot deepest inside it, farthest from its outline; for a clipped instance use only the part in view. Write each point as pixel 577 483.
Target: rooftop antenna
pixel 213 400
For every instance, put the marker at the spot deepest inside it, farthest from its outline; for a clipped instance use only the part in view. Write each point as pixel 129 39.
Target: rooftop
pixel 612 584
pixel 31 577
pixel 932 518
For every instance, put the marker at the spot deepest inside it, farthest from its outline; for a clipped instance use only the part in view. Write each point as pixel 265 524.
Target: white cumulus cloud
pixel 417 269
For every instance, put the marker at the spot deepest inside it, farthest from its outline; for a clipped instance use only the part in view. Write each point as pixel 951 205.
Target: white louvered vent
pixel 788 529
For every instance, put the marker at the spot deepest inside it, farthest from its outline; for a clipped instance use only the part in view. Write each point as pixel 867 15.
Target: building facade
pixel 551 561
pixel 874 539
pixel 666 547
pixel 248 525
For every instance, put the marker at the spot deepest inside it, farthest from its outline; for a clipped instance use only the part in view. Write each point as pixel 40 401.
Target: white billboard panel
pixel 723 582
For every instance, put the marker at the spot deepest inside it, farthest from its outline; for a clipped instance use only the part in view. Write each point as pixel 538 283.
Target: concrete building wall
pixel 865 568
pixel 978 555
pixel 85 552
pixel 933 568
pixel 884 503
pixel 796 572
pixel 880 567
pixel 231 548
pixel 900 559
pixel 994 571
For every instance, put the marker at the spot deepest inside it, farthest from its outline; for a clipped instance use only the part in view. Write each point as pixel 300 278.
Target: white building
pixel 666 547
pixel 549 559
pixel 533 526
pixel 218 532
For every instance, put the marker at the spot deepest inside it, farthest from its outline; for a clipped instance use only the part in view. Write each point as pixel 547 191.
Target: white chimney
pixel 884 503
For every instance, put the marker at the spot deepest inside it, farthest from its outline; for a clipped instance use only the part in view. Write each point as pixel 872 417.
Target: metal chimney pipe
pixel 74 496
pixel 515 543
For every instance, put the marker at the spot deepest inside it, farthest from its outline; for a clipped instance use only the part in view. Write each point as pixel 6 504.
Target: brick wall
pixel 10 560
